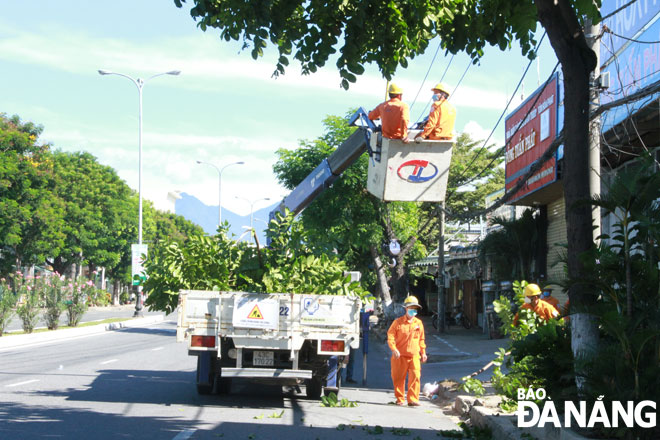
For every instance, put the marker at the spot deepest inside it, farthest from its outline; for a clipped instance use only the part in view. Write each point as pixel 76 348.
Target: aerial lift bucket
pixel 412 172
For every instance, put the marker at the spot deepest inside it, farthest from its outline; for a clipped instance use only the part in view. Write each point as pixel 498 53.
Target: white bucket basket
pixel 409 172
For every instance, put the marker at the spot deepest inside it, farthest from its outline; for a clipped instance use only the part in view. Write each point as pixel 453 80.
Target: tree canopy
pixel 349 221
pixel 65 208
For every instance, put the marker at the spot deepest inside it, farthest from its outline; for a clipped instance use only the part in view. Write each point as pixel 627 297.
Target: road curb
pixel 23 340
pixel 503 426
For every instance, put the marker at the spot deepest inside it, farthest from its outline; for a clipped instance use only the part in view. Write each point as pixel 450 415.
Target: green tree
pixel 512 248
pixel 93 197
pixel 390 33
pixel 346 219
pixel 463 194
pixel 30 219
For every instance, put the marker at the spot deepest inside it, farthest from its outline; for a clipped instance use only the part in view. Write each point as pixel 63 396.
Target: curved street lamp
pixel 220 170
pixel 252 203
pixel 139 83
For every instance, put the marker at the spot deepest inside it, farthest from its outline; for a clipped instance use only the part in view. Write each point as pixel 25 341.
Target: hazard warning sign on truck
pixel 255 311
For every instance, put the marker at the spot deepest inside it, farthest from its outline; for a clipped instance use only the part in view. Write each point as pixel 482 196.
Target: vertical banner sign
pixel 137 250
pixel 530 129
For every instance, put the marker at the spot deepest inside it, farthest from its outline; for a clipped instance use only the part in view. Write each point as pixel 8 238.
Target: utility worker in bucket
pixel 541 308
pixel 547 297
pixel 407 342
pixel 394 115
pixel 440 123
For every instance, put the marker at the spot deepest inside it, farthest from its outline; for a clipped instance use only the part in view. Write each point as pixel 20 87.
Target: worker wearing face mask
pixel 440 123
pixel 406 340
pixel 544 310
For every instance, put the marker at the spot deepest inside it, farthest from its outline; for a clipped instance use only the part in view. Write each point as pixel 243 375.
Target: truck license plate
pixel 263 358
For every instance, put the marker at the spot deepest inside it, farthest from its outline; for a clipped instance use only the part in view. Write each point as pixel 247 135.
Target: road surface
pixel 139 383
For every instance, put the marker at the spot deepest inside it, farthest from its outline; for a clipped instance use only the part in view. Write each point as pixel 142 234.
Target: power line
pixel 503 149
pixel 618 10
pixel 427 74
pixel 550 151
pixel 454 91
pixel 608 30
pixel 483 147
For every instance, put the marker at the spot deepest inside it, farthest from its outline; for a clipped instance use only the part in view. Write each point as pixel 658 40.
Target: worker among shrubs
pixel 393 114
pixel 406 340
pixel 544 310
pixel 547 297
pixel 440 122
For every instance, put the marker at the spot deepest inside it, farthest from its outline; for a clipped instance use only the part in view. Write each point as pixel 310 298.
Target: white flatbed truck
pixel 291 339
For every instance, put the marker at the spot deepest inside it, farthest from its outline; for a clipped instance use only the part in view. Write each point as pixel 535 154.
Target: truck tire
pixel 314 388
pixel 224 385
pixel 205 372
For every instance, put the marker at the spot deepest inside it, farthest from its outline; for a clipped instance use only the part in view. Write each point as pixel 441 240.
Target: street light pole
pixel 220 170
pixel 139 83
pixel 252 203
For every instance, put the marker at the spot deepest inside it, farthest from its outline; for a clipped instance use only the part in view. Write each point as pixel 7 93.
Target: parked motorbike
pixel 453 317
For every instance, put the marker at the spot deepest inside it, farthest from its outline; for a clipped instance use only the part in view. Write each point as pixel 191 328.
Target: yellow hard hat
pixel 411 301
pixel 393 89
pixel 441 87
pixel 532 290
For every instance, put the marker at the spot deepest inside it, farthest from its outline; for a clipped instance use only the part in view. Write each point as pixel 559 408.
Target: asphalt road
pixel 139 383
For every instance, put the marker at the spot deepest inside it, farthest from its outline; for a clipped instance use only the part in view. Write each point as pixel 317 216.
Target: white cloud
pixel 206 65
pixel 477 132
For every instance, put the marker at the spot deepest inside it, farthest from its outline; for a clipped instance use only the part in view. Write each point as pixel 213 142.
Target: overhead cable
pixel 483 147
pixel 427 74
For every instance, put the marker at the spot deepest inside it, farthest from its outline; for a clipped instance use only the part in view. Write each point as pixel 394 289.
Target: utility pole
pixel 441 269
pixel 584 326
pixel 593 39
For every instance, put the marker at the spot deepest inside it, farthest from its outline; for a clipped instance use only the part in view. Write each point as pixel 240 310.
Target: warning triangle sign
pixel 255 313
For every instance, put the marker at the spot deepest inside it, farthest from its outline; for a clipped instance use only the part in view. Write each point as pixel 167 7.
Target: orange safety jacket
pixel 543 309
pixel 554 302
pixel 394 116
pixel 407 337
pixel 440 124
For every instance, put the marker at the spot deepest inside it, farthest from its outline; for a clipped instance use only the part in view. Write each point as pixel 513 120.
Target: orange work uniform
pixel 407 337
pixel 440 124
pixel 543 309
pixel 554 302
pixel 394 116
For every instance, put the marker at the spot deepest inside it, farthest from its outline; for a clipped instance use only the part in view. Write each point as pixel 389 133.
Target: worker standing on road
pixel 541 308
pixel 406 340
pixel 440 123
pixel 394 115
pixel 547 297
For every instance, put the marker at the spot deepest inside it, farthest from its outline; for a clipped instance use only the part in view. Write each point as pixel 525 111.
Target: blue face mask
pixel 546 294
pixel 412 312
pixel 436 97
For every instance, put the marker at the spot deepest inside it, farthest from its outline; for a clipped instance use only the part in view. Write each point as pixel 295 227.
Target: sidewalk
pixel 8 341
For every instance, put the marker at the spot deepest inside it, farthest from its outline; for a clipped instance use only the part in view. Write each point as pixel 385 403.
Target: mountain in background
pixel 191 208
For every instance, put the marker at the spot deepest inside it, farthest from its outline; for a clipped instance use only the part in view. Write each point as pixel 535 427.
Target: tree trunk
pixel 382 277
pixel 577 61
pixel 115 292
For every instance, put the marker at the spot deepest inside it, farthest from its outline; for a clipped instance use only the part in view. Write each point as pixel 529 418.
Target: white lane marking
pixel 184 435
pixel 109 361
pixel 22 383
pixel 157 348
pixel 450 345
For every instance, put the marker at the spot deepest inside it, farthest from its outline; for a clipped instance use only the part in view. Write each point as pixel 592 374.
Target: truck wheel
pixel 314 388
pixel 205 373
pixel 224 385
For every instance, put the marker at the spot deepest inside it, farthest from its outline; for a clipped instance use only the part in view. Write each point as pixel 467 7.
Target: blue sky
pixel 224 107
